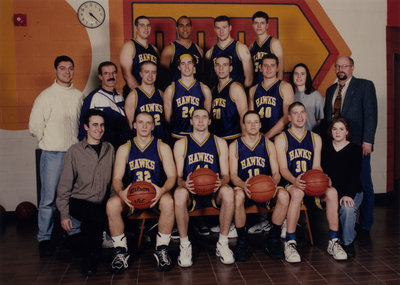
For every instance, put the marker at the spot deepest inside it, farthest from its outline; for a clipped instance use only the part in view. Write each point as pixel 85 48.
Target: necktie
pixel 338 103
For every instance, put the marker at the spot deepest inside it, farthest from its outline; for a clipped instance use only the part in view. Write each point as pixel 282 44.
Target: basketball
pixel 204 180
pixel 26 212
pixel 262 188
pixel 317 182
pixel 140 194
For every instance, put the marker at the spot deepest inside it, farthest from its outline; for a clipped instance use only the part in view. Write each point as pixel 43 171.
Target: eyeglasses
pixel 344 66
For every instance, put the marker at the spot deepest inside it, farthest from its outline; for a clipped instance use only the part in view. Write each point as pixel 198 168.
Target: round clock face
pixel 91 14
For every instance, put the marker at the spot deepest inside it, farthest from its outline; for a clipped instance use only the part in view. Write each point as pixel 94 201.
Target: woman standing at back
pixel 300 79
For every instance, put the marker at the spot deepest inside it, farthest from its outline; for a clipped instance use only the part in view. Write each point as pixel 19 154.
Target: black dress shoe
pixel 274 249
pixel 349 249
pixel 45 248
pixel 89 267
pixel 363 235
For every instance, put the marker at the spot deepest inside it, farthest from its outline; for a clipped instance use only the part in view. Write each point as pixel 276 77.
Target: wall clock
pixel 91 14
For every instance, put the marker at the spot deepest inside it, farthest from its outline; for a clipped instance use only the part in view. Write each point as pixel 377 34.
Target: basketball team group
pixel 228 110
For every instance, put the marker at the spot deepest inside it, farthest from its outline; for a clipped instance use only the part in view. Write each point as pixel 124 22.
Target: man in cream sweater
pixel 54 122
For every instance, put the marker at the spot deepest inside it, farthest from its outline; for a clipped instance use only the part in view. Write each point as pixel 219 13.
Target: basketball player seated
pixel 299 150
pixel 149 159
pixel 200 149
pixel 249 156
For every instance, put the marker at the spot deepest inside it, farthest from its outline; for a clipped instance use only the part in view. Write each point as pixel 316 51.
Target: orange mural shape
pixel 52 29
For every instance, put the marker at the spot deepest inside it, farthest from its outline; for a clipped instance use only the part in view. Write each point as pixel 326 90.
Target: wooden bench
pixel 144 215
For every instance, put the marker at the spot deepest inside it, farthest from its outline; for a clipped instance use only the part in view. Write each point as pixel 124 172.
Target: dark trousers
pixel 93 218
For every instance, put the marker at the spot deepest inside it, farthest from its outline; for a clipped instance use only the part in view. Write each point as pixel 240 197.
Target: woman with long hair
pixel 341 161
pixel 300 79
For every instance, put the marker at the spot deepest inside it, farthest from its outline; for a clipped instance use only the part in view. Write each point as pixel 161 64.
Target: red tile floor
pixel 377 261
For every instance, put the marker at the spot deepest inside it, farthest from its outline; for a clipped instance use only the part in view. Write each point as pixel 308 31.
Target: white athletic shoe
pixel 336 250
pixel 264 226
pixel 232 230
pixel 283 229
pixel 224 253
pixel 291 253
pixel 107 241
pixel 185 256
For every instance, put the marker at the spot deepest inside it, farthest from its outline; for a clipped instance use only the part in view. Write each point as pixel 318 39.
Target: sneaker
pixel 274 249
pixel 121 260
pixel 164 262
pixel 175 233
pixel 336 250
pixel 283 229
pixel 185 256
pixel 232 231
pixel 264 226
pixel 349 249
pixel 224 253
pixel 107 241
pixel 242 252
pixel 291 253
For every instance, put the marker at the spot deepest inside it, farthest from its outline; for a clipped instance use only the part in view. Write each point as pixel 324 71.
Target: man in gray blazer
pixel 358 105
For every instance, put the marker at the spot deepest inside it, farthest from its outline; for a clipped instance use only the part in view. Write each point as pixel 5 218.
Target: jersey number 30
pixel 301 166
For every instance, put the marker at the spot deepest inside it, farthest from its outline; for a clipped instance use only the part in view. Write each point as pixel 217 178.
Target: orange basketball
pixel 204 180
pixel 140 194
pixel 317 182
pixel 262 188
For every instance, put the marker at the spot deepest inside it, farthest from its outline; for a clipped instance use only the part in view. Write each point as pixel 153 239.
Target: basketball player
pixel 271 98
pixel 265 44
pixel 183 96
pixel 136 51
pixel 170 54
pixel 239 53
pixel 149 159
pixel 249 156
pixel 201 149
pixel 299 150
pixel 147 98
pixel 229 102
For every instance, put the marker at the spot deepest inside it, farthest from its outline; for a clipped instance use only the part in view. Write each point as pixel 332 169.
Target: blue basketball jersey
pixel 299 152
pixel 225 121
pixel 153 104
pixel 254 160
pixel 257 52
pixel 180 49
pixel 143 54
pixel 184 102
pixel 145 164
pixel 268 103
pixel 201 154
pixel 231 50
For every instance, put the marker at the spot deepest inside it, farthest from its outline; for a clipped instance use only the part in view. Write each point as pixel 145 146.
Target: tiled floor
pixel 377 262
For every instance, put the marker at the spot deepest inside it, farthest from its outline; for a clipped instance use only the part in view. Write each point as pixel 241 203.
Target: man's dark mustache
pixel 111 79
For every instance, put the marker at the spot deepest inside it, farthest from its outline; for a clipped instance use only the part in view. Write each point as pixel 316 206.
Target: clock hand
pixel 90 13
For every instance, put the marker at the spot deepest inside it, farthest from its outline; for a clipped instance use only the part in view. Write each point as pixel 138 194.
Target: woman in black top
pixel 341 161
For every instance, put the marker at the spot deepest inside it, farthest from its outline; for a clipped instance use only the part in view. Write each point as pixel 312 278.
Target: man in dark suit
pixel 355 100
